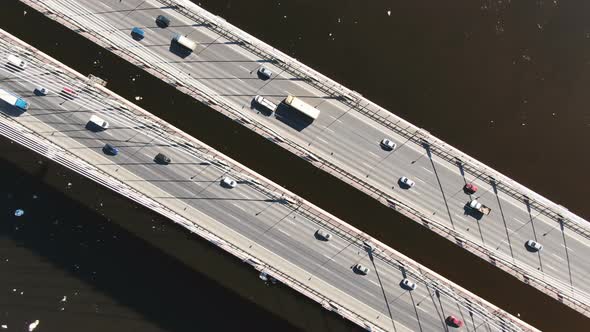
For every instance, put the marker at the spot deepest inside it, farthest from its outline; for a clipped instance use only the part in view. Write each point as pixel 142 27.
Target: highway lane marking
pixel 549 266
pixel 236 218
pixel 246 69
pixel 419 179
pixel 239 207
pixel 373 154
pixel 554 255
pixel 460 217
pixel 568 248
pixel 330 130
pixel 520 221
pixel 420 308
pixel 367 165
pixel 427 170
pixel 374 283
pixel 282 231
pixel 322 140
pixel 328 257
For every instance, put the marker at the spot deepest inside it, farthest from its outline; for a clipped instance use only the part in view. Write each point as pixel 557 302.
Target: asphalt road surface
pixel 343 136
pixel 192 179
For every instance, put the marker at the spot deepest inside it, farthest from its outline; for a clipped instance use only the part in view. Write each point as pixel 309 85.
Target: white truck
pixel 185 42
pixel 16 62
pixel 97 123
pixel 13 100
pixel 302 107
pixel 475 205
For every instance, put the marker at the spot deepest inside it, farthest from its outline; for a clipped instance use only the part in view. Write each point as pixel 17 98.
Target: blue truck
pixel 13 100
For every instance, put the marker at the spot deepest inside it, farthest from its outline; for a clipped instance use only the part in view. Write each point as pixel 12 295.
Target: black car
pixel 110 150
pixel 162 21
pixel 161 158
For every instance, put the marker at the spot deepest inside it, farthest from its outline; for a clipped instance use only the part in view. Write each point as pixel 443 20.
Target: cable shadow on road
pixel 426 146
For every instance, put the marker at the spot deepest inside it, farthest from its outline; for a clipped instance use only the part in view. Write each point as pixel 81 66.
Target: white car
pixel 388 144
pixel 229 182
pixel 264 72
pixel 265 103
pixel 406 182
pixel 41 91
pixel 361 269
pixel 96 123
pixel 533 245
pixel 324 235
pixel 409 285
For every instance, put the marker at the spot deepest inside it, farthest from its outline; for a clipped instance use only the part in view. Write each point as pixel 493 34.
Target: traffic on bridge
pixel 345 134
pixel 75 121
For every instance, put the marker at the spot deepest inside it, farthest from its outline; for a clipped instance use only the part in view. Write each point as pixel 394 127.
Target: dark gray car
pixel 162 21
pixel 161 158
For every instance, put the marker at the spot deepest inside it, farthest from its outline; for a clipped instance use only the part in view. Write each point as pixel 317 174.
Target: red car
pixel 470 188
pixel 69 93
pixel 454 321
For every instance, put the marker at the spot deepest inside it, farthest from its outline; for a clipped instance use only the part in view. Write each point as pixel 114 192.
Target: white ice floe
pixel 33 325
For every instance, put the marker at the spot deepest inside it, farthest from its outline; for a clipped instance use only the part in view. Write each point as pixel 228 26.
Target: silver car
pixel 359 268
pixel 229 182
pixel 264 72
pixel 533 245
pixel 388 144
pixel 406 182
pixel 41 91
pixel 409 285
pixel 322 234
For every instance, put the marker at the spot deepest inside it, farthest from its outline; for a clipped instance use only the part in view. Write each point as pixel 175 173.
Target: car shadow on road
pixel 179 50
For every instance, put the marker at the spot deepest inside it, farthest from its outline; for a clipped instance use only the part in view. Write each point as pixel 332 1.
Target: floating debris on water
pixel 138 97
pixel 19 212
pixel 33 325
pixel 64 299
pixel 389 13
pixel 4 326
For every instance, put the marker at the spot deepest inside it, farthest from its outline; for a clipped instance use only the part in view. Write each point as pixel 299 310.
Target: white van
pixel 265 102
pixel 185 42
pixel 98 122
pixel 16 61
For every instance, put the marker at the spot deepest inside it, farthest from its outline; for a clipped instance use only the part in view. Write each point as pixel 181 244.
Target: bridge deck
pixel 258 221
pixel 344 140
